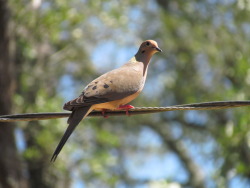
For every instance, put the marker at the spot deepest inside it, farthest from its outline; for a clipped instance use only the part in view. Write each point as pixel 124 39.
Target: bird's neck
pixel 145 58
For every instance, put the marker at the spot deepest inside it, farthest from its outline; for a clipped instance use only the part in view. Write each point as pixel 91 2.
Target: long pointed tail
pixel 76 116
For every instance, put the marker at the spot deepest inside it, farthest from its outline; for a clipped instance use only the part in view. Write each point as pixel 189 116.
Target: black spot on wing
pixel 94 87
pixel 111 81
pixel 106 86
pixel 96 82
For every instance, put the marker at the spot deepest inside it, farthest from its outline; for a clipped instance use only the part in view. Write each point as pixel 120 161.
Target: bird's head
pixel 149 47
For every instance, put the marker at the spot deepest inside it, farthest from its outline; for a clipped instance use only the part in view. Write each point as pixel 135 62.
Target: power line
pixel 134 111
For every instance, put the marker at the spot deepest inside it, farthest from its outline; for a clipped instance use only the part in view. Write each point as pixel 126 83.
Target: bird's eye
pixel 147 43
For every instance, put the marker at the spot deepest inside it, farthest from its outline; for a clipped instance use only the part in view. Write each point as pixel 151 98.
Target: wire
pixel 134 111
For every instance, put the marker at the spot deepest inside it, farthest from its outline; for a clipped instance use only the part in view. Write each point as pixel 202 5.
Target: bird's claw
pixel 103 113
pixel 126 107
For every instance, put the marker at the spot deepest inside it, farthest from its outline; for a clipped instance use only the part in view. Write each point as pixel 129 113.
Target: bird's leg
pixel 126 107
pixel 103 113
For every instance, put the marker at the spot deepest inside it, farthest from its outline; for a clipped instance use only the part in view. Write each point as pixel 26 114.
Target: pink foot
pixel 126 107
pixel 103 113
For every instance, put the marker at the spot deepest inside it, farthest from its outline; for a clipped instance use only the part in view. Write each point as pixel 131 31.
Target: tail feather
pixel 71 117
pixel 76 116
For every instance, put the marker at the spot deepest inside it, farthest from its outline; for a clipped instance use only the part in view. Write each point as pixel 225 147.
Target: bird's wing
pixel 114 85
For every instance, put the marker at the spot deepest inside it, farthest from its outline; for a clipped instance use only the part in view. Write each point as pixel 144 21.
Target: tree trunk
pixel 10 164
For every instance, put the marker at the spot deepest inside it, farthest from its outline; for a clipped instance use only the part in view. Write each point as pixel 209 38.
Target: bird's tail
pixel 74 119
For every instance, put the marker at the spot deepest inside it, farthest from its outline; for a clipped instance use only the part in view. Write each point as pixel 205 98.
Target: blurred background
pixel 49 51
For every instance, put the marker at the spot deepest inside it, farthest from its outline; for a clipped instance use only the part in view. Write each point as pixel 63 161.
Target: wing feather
pixel 114 85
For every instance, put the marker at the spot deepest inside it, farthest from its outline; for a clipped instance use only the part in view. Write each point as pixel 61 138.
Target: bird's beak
pixel 158 49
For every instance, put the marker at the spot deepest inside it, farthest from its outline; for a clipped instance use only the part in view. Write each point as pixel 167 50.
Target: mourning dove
pixel 113 90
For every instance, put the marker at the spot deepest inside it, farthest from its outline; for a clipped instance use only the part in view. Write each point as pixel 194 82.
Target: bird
pixel 111 91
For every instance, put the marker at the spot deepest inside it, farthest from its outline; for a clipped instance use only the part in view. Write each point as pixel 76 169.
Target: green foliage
pixel 205 58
